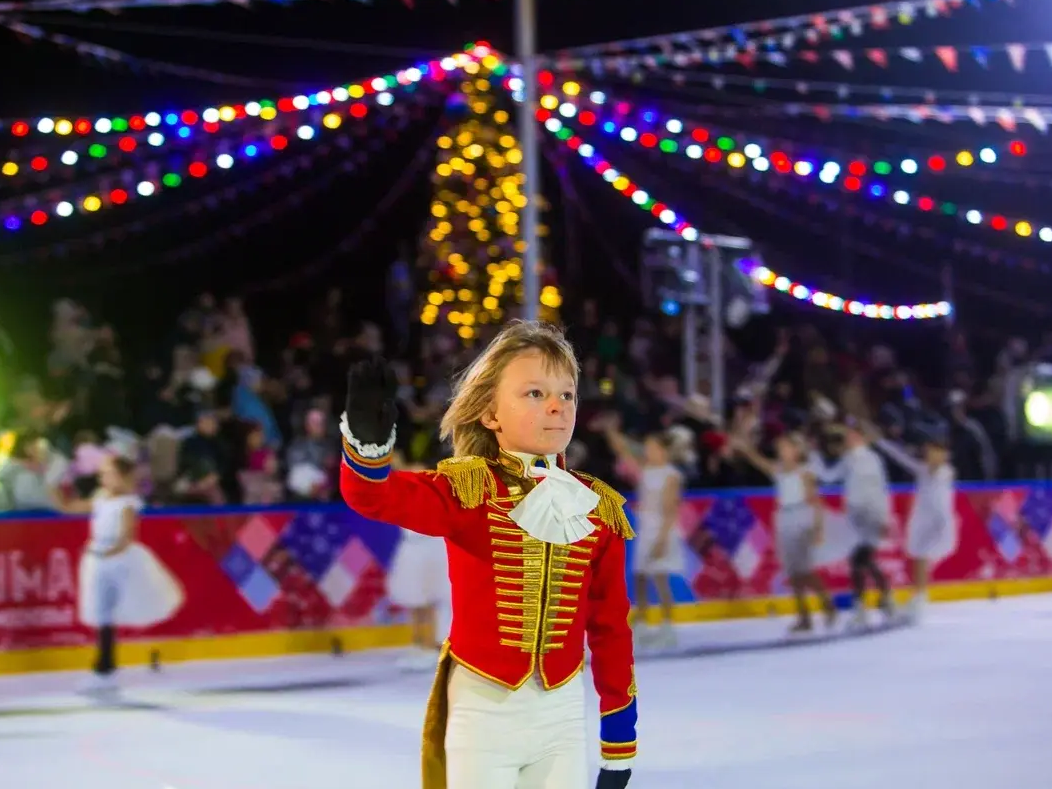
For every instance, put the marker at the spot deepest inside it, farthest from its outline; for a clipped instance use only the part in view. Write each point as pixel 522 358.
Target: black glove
pixel 371 406
pixel 613 779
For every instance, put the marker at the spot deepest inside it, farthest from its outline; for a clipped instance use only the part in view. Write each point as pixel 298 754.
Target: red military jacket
pixel 520 606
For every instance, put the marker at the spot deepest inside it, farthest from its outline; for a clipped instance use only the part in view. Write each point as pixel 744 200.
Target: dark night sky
pixel 41 79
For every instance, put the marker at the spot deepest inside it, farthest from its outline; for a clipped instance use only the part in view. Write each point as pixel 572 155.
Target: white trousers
pixel 523 739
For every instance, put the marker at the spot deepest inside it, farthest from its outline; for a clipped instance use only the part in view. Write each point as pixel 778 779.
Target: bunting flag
pixel 81 6
pixel 715 56
pixel 901 96
pixel 110 56
pixel 769 34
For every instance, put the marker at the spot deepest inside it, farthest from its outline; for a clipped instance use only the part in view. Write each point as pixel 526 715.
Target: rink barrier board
pixel 353 639
pixel 263 582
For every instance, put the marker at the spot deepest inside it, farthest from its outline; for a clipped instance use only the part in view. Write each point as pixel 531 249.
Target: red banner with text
pixel 244 571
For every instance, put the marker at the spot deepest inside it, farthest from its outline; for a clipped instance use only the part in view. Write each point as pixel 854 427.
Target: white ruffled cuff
pixel 367 451
pixel 617 765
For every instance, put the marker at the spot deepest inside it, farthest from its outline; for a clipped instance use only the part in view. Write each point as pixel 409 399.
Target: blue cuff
pixel 617 733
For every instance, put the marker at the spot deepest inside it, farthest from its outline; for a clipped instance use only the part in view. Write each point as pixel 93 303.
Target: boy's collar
pixel 516 463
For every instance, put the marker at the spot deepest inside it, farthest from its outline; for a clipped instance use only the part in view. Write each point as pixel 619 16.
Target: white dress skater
pixel 794 523
pixel 932 529
pixel 649 519
pixel 419 574
pixel 129 589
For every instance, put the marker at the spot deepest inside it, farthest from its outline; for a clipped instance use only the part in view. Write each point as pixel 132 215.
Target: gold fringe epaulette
pixel 471 478
pixel 611 507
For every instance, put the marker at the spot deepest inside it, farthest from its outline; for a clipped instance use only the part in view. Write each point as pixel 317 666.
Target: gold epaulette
pixel 470 477
pixel 611 507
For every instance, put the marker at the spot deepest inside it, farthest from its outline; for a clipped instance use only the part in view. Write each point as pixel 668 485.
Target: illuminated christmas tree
pixel 473 245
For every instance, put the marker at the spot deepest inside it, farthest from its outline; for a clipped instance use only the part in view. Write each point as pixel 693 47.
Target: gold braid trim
pixel 471 478
pixel 611 507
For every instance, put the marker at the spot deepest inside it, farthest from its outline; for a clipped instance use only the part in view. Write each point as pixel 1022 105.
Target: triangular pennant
pixel 948 56
pixel 809 55
pixel 1048 52
pixel 1017 54
pixel 878 56
pixel 982 56
pixel 844 58
pixel 878 17
pixel 978 115
pixel 912 54
pixel 1006 120
pixel 1036 119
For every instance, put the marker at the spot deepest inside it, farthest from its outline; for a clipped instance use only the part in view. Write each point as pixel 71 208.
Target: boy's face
pixel 535 407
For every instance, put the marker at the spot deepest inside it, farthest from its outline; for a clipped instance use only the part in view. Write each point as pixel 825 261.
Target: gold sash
pixel 433 750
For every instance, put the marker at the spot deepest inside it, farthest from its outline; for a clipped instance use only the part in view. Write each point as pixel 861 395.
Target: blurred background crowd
pixel 213 419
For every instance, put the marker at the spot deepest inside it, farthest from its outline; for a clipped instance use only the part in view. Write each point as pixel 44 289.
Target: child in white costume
pixel 799 521
pixel 659 551
pixel 419 582
pixel 121 583
pixel 931 531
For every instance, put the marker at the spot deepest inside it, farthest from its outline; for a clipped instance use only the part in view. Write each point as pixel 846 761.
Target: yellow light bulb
pixel 500 117
pixel 444 170
pixel 1024 229
pixel 448 294
pixel 268 113
pixel 469 168
pixel 92 203
pixel 444 142
pixel 331 121
pixel 464 294
pixel 434 299
pixel 549 102
pixel 438 210
pixel 227 114
pixel 490 303
pixel 514 156
pixel 9 168
pixel 490 62
pixel 482 84
pixel 63 127
pixel 571 89
pixel 466 332
pixel 965 159
pixel 356 91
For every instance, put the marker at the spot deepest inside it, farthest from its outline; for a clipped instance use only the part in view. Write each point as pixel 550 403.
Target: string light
pixel 267 109
pixel 65 205
pixel 854 176
pixel 154 141
pixel 619 108
pixel 761 274
pixel 473 241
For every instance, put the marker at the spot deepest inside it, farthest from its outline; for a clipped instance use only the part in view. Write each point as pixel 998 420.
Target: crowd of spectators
pixel 210 426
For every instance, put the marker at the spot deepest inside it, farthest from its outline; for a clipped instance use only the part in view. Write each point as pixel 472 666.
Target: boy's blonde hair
pixel 475 389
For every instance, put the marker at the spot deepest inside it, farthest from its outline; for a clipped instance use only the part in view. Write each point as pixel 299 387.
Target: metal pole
pixel 690 322
pixel 526 43
pixel 716 359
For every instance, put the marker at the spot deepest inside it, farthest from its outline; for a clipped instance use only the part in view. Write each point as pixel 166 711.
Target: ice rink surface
pixel 962 702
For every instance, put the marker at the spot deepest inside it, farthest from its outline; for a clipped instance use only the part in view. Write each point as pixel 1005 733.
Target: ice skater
pixel 121 583
pixel 418 581
pixel 659 549
pixel 536 560
pixel 931 531
pixel 798 522
pixel 868 504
